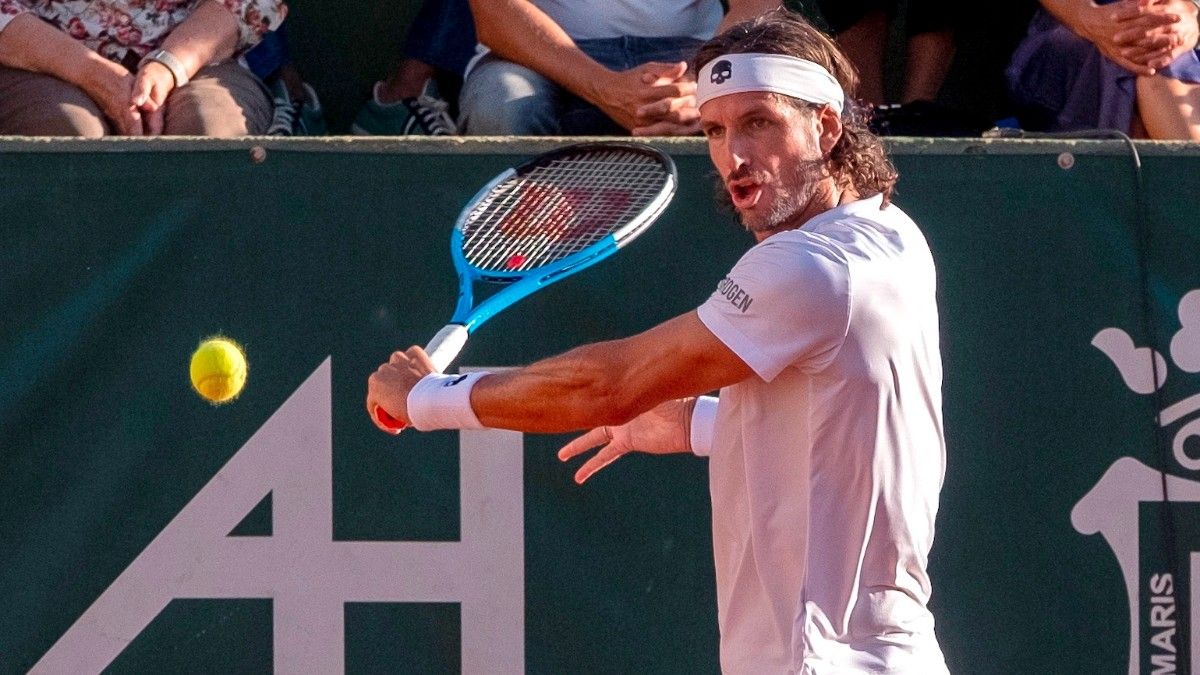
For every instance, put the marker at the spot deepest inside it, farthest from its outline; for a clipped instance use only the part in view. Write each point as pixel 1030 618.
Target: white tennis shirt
pixel 825 469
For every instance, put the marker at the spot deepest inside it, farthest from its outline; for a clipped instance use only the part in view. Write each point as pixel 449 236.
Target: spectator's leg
pixel 442 35
pixel 406 81
pixel 927 62
pixel 1169 108
pixel 32 104
pixel 864 44
pixel 500 98
pixel 222 101
pixel 930 28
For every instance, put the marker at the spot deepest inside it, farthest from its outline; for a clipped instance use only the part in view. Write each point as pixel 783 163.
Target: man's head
pixel 783 129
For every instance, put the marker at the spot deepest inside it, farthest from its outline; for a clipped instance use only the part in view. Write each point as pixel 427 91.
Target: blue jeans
pixel 501 98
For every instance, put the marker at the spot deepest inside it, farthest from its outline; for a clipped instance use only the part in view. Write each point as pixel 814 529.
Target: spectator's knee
pixel 527 116
pixel 223 101
pixel 67 119
pixel 33 104
pixel 501 98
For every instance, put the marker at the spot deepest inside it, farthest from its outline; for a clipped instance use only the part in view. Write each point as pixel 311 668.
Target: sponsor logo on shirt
pixel 1160 575
pixel 736 296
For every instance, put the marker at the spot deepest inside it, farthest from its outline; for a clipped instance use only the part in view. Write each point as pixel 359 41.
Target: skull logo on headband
pixel 722 70
pixel 778 73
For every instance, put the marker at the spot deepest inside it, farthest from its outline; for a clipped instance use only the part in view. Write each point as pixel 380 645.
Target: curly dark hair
pixel 858 158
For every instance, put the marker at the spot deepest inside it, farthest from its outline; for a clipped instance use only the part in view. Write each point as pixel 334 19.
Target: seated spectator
pixel 419 97
pixel 574 67
pixel 98 67
pixel 1129 65
pixel 861 28
pixel 297 109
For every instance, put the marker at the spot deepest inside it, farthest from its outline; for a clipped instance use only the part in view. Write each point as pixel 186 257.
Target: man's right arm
pixel 518 31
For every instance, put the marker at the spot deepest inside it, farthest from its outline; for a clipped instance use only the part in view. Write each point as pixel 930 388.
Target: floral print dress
pixel 124 29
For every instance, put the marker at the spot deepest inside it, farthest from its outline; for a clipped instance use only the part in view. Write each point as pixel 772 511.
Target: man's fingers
pixel 672 90
pixel 662 72
pixel 684 106
pixel 419 361
pixel 607 455
pixel 141 92
pixel 583 443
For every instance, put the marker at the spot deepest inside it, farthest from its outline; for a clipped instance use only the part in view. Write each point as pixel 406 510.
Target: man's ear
pixel 831 128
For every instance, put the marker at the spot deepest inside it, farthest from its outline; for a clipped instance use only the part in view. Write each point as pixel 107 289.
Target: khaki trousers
pixel 223 100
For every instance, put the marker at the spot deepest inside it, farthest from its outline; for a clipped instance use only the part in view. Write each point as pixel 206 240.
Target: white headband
pixel 787 75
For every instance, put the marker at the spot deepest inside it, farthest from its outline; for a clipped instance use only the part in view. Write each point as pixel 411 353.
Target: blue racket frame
pixel 444 346
pixel 523 284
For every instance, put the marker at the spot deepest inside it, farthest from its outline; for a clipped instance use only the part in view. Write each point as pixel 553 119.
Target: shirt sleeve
pixel 255 19
pixel 785 303
pixel 11 9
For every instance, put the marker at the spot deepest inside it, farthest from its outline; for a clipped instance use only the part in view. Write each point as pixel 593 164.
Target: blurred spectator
pixel 862 28
pixel 1130 65
pixel 297 110
pixel 130 67
pixel 419 97
pixel 574 67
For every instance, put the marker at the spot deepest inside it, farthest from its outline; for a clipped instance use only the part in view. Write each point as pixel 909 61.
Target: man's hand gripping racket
pixel 541 221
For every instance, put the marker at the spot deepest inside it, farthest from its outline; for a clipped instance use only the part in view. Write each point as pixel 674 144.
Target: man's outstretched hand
pixel 663 430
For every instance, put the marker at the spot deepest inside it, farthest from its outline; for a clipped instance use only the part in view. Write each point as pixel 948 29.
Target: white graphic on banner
pixel 1112 507
pixel 309 576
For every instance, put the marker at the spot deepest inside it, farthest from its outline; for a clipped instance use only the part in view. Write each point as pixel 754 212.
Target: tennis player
pixel 826 452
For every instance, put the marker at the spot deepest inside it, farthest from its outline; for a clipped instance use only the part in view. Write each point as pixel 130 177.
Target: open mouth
pixel 745 195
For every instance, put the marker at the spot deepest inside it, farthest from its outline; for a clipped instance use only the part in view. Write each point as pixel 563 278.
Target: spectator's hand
pixel 1138 35
pixel 110 89
pixel 1171 32
pixel 661 431
pixel 624 93
pixel 388 387
pixel 676 116
pixel 154 82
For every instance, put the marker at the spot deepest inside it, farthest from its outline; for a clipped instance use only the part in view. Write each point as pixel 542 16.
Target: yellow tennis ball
pixel 218 370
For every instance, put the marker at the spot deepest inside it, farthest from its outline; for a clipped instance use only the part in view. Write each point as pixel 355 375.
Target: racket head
pixel 561 208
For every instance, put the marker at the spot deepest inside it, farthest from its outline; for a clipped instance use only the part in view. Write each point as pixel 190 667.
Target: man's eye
pixel 759 123
pixel 714 132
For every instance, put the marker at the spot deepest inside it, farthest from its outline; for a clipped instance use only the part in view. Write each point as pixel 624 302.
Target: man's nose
pixel 739 152
pixel 738 158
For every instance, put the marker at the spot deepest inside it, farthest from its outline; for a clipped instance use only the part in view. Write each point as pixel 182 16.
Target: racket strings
pixel 560 208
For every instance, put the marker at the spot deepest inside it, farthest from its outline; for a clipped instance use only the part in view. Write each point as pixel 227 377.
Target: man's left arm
pixel 606 383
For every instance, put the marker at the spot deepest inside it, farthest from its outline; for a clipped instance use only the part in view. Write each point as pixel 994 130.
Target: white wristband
pixel 443 402
pixel 704 418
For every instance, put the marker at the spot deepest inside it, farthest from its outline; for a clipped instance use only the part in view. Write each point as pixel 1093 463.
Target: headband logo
pixel 722 70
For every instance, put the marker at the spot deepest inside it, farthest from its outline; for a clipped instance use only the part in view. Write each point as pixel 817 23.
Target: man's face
pixel 770 157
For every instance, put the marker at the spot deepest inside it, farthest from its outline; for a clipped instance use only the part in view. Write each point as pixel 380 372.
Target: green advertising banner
pixel 143 529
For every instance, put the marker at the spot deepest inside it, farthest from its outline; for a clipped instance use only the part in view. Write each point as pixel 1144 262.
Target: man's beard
pixel 792 194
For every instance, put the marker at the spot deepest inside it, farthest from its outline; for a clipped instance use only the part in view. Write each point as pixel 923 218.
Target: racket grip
pixel 446 345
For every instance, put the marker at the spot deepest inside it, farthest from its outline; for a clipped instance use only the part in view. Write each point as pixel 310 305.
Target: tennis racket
pixel 539 222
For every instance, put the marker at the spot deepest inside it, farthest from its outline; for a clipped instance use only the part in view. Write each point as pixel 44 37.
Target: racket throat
pixel 446 345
